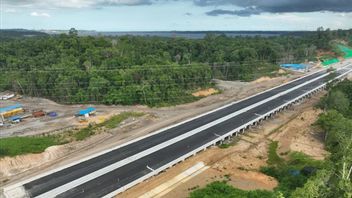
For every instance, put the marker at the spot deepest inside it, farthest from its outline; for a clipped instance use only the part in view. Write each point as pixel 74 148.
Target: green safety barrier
pixel 346 50
pixel 330 61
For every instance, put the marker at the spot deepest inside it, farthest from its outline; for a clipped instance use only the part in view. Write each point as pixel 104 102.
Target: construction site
pixel 22 116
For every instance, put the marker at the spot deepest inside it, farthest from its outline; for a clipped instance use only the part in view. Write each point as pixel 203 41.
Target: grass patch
pixel 224 146
pixel 37 144
pixel 23 145
pixel 114 121
pixel 273 157
pixel 229 143
pixel 220 189
pixel 84 133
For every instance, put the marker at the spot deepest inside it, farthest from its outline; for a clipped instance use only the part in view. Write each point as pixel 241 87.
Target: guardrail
pixel 223 137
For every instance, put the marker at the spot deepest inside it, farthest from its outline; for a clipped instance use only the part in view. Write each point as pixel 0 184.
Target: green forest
pixel 317 179
pixel 154 71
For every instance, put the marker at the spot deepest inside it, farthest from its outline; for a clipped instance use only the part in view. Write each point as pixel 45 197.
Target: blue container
pixel 294 66
pixel 86 111
pixel 52 114
pixel 15 118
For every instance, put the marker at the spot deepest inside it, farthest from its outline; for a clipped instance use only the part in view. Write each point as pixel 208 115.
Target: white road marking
pixel 150 168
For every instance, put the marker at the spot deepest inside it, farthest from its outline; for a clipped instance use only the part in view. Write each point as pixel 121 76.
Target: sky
pixel 180 15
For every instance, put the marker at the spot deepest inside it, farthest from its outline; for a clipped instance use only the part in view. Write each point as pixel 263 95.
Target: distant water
pixel 192 35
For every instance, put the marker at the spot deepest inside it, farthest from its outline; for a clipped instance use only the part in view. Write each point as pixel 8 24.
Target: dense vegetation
pixel 13 146
pixel 145 70
pixel 19 33
pixel 292 173
pixel 335 180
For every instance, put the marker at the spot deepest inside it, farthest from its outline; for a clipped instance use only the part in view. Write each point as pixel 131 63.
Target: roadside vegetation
pixel 113 122
pixel 153 71
pixel 220 189
pixel 292 173
pixel 336 179
pixel 13 146
pixel 21 145
pixel 273 157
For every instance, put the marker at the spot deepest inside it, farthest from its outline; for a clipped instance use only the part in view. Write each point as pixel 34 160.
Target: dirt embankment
pixel 240 164
pixel 349 76
pixel 205 93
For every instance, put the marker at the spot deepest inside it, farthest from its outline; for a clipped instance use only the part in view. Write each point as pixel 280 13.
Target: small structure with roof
pixel 86 112
pixel 295 66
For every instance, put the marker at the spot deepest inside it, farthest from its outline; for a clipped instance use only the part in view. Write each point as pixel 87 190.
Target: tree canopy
pixel 144 70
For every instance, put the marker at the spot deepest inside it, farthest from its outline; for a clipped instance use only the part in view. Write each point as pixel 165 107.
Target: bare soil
pixel 349 76
pixel 205 92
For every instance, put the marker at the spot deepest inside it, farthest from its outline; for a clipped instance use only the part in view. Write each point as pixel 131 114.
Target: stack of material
pixel 52 114
pixel 9 111
pixel 7 96
pixel 37 114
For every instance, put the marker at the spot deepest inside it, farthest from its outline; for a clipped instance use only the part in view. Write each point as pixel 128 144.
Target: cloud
pixel 255 7
pixel 123 2
pixel 74 3
pixel 242 8
pixel 40 14
pixel 243 13
pixel 10 10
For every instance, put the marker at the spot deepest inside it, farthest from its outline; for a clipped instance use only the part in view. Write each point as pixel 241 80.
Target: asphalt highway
pixel 125 174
